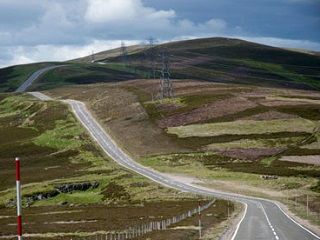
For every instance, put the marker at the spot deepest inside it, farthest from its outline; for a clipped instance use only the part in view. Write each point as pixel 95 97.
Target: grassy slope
pixel 231 60
pixel 56 150
pixel 12 77
pixel 189 155
pixel 83 73
pixel 243 127
pixel 213 59
pixel 108 54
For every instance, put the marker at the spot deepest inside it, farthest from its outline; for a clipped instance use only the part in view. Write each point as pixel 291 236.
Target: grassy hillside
pixel 230 136
pixel 84 73
pixel 73 73
pixel 231 60
pixel 70 188
pixel 12 77
pixel 55 149
pixel 213 59
pixel 228 60
pixel 108 54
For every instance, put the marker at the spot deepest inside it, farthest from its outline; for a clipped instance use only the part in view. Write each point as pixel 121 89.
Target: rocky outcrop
pixel 64 188
pixel 41 196
pixel 70 187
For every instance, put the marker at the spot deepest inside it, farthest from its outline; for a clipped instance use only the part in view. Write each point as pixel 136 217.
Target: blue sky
pixel 292 19
pixel 43 30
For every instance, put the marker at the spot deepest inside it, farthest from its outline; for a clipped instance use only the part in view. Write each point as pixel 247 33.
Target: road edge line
pixel 243 217
pixel 161 183
pixel 294 221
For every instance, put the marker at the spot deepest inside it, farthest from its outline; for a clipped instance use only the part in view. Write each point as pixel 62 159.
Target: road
pixel 262 219
pixel 34 76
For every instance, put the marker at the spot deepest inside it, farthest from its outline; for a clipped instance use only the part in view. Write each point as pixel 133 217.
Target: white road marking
pixel 243 217
pixel 270 225
pixel 313 234
pixel 113 151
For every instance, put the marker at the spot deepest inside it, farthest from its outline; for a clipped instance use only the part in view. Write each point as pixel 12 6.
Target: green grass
pixel 211 166
pixel 163 108
pixel 316 187
pixel 55 149
pixel 12 77
pixel 16 105
pixel 84 73
pixel 315 144
pixel 264 65
pixel 281 71
pixel 74 73
pixel 63 136
pixel 268 161
pixel 88 197
pixel 243 127
pixel 257 143
pixel 310 112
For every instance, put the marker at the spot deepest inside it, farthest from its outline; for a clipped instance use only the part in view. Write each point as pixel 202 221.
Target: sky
pixel 58 30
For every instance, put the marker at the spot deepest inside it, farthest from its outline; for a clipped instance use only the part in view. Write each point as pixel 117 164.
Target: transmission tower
pixel 124 53
pixel 166 89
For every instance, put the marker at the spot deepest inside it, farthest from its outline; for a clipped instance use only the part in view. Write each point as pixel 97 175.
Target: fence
pixel 137 231
pixel 307 205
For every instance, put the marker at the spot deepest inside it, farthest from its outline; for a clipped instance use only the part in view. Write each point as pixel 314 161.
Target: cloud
pixel 69 29
pixel 284 43
pixel 47 30
pixel 40 53
pixel 109 11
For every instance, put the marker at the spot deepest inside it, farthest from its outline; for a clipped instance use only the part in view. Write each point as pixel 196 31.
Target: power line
pixel 151 56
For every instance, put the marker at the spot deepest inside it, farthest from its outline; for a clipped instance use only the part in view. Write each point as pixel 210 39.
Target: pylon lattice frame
pixel 124 53
pixel 166 89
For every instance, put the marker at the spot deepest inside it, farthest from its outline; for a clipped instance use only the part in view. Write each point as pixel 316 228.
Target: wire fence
pixel 306 205
pixel 138 231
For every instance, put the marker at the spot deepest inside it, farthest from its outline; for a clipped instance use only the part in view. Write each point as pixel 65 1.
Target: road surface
pixel 262 219
pixel 34 76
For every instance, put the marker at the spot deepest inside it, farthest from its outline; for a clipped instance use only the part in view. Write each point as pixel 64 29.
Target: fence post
pixel 199 221
pixel 19 205
pixel 162 224
pixel 307 206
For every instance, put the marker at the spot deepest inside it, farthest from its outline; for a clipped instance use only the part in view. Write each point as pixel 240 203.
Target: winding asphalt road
pixel 262 219
pixel 34 76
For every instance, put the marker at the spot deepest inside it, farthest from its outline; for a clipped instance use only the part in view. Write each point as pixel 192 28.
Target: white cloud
pixel 216 24
pixel 41 53
pixel 284 43
pixel 58 30
pixel 106 11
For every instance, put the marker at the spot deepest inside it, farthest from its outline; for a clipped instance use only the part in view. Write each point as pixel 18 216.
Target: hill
pixel 69 184
pixel 236 61
pixel 96 57
pixel 250 140
pixel 213 59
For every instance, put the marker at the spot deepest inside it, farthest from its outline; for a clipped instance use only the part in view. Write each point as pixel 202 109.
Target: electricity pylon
pixel 151 52
pixel 124 53
pixel 166 89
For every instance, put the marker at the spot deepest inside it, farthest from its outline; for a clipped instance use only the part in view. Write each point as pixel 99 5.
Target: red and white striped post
pixel 199 211
pixel 19 206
